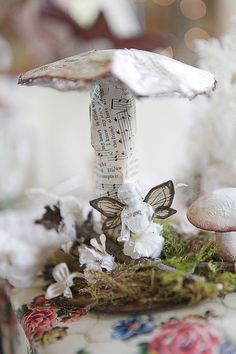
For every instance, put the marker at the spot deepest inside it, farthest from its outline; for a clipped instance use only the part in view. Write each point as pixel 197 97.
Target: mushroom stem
pixel 227 245
pixel 113 130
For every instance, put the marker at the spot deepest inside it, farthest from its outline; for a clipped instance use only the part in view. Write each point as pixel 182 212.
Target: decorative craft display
pixel 132 260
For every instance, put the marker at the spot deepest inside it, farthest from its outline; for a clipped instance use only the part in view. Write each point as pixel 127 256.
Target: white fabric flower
pixel 96 258
pixel 64 281
pixel 69 206
pixel 148 244
pixel 25 246
pixel 19 261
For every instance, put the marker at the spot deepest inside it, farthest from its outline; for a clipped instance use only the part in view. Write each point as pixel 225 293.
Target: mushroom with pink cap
pixel 115 78
pixel 216 211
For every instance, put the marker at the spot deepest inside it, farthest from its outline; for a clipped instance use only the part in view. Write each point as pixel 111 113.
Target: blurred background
pixel 44 134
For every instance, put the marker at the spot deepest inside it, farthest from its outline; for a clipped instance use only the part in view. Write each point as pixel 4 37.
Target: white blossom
pixel 64 281
pixel 148 243
pixel 96 257
pixel 70 210
pixel 24 246
pixel 19 261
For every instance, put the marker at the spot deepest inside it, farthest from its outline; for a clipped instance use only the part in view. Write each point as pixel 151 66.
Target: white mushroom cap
pixel 145 73
pixel 215 211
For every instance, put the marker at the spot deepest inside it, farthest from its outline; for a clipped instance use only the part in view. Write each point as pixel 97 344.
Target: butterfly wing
pixel 110 208
pixel 161 198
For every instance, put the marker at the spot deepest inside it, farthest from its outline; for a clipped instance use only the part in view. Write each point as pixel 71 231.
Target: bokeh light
pixel 194 34
pixel 164 2
pixel 193 9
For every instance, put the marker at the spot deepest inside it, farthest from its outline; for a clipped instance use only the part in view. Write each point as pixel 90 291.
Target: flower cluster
pixel 190 335
pixel 40 320
pixel 133 326
pixel 25 245
pixel 96 257
pixel 70 211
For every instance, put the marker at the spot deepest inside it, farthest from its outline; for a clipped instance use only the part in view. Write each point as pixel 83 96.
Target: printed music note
pixel 121 103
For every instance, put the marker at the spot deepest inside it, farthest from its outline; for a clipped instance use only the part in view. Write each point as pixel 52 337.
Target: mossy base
pixel 145 284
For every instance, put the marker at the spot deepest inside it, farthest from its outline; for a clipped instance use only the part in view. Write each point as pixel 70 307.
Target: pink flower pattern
pixel 37 321
pixel 187 336
pixel 42 316
pixel 190 335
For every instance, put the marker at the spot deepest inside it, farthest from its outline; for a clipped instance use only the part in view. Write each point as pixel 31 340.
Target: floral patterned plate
pixel 52 329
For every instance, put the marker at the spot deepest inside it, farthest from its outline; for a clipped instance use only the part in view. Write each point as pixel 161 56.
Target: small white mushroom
pixel 216 211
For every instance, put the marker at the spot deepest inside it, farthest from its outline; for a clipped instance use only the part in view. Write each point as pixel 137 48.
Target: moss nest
pixel 188 272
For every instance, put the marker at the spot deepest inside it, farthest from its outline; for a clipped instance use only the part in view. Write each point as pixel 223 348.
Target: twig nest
pixel 144 73
pixel 215 211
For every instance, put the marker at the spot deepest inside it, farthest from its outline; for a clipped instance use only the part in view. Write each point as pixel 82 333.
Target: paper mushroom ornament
pixel 115 78
pixel 216 211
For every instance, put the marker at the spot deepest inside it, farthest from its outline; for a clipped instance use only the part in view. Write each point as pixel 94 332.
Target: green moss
pixel 147 281
pixel 185 252
pixel 228 281
pixel 174 244
pixel 144 282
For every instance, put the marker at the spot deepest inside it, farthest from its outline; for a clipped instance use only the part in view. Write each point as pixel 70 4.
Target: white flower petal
pixel 61 272
pixel 96 245
pixel 94 266
pixel 103 242
pixel 68 228
pixel 67 293
pixel 55 290
pixel 108 263
pixel 88 255
pixel 70 205
pixel 95 254
pixel 41 196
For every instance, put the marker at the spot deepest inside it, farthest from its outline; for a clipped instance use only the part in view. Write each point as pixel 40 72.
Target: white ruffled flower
pixel 24 246
pixel 19 261
pixel 70 210
pixel 64 281
pixel 96 258
pixel 148 244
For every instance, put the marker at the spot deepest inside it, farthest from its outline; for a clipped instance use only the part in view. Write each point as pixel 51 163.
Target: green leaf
pixel 22 311
pixel 82 351
pixel 143 347
pixel 31 351
pixel 63 312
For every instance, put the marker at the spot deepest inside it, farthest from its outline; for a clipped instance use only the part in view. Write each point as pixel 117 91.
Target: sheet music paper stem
pixel 113 131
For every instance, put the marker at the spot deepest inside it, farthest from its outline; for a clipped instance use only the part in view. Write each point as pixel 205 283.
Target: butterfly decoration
pixel 159 197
